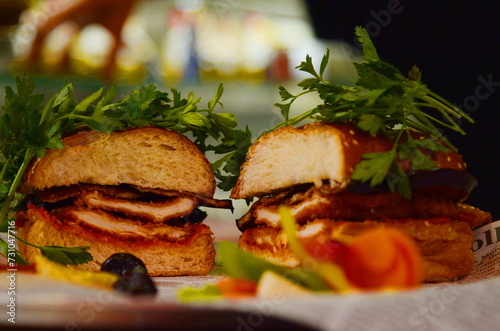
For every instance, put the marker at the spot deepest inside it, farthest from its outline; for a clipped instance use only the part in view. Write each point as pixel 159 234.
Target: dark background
pixel 456 46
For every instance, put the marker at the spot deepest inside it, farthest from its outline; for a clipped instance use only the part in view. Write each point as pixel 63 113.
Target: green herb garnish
pixel 382 101
pixel 239 264
pixel 64 255
pixel 227 168
pixel 28 127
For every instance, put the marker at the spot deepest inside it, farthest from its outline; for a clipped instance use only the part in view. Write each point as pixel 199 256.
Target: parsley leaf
pixel 371 123
pixel 369 51
pixel 374 167
pixel 383 101
pixel 67 255
pixel 242 140
pixel 17 258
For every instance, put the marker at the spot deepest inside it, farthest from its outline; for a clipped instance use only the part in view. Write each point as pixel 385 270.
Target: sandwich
pixel 310 170
pixel 136 191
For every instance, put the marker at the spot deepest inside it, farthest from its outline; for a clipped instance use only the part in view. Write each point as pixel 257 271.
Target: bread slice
pixel 147 157
pixel 313 153
pixel 193 256
pixel 445 247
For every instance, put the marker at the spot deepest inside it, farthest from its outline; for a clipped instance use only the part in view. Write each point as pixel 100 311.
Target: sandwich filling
pixel 313 202
pixel 127 211
pixel 435 217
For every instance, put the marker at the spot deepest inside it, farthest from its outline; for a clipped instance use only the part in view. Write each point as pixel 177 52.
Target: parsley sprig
pixel 384 101
pixel 64 255
pixel 28 127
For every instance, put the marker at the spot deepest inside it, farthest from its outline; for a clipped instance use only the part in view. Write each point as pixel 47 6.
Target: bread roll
pixel 145 157
pixel 313 153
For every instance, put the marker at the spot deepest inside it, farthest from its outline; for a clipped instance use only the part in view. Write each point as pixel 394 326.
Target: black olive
pixel 132 272
pixel 122 263
pixel 136 283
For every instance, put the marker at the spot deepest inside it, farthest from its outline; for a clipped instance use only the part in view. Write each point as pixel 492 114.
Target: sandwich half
pixel 136 191
pixel 309 169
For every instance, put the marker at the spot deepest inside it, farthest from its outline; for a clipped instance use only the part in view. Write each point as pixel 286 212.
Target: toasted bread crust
pixel 147 157
pixel 446 248
pixel 313 153
pixel 194 255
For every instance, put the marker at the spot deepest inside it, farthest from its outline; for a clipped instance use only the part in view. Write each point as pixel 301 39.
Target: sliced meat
pixel 56 194
pixel 157 212
pixel 202 200
pixel 102 221
pixel 215 203
pixel 59 193
pixel 316 203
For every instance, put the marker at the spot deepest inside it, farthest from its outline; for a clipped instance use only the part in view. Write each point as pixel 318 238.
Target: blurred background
pixel 253 45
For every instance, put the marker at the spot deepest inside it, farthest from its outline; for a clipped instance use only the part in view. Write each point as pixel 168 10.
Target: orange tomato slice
pixel 384 257
pixel 237 288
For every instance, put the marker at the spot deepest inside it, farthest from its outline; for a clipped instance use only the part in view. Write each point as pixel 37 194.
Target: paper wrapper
pixel 470 303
